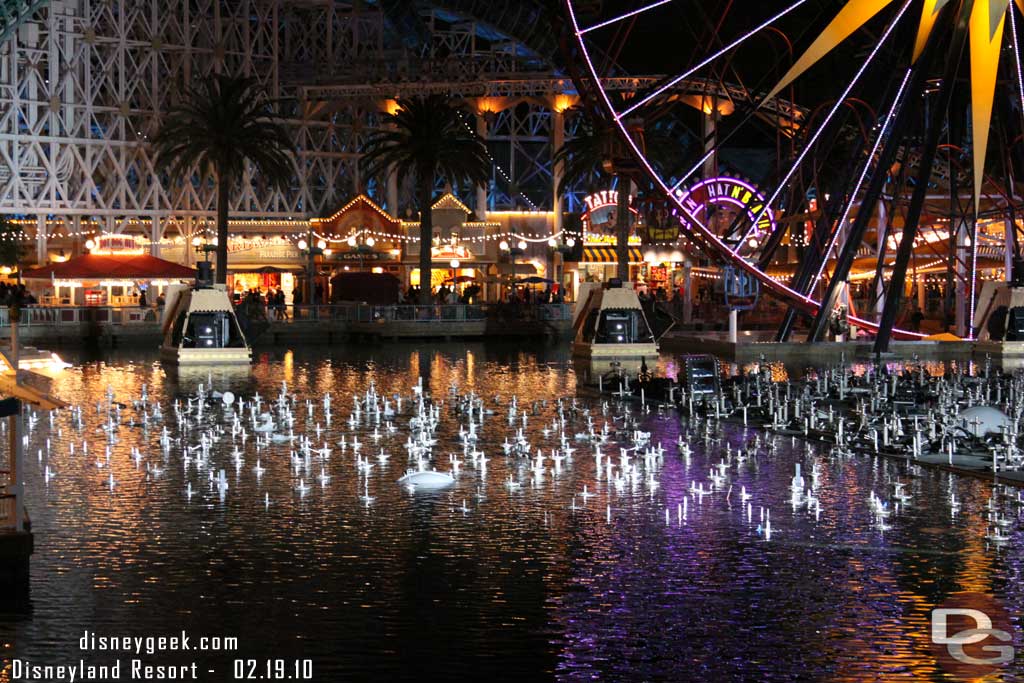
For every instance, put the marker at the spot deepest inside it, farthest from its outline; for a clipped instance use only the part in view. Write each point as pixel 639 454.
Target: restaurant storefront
pixel 117 272
pixel 358 237
pixel 599 259
pixel 461 252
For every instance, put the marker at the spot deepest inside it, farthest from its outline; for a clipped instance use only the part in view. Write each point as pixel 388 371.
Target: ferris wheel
pixel 950 39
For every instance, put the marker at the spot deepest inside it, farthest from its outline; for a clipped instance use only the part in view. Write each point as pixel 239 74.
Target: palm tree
pixel 597 152
pixel 226 123
pixel 11 249
pixel 588 156
pixel 426 139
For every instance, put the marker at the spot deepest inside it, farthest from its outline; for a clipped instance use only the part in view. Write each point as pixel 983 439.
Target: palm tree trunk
pixel 622 229
pixel 223 187
pixel 425 193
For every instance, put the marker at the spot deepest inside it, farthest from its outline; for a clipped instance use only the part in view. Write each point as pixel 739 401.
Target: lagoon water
pixel 481 581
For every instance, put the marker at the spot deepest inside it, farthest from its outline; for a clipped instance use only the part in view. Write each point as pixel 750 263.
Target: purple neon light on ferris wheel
pixel 755 198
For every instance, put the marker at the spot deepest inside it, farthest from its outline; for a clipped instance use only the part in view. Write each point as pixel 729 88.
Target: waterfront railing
pixel 367 313
pixel 56 316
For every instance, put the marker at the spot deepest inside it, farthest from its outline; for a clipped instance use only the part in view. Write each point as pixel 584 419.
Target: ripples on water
pixel 522 585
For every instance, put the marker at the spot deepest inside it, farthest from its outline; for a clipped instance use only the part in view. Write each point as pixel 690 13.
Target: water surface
pixel 482 580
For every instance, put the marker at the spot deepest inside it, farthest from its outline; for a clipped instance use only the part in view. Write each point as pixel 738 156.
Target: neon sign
pixel 109 243
pixel 599 200
pixel 717 201
pixel 449 251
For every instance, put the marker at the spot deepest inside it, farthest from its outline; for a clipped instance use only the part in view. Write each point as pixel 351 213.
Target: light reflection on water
pixel 520 586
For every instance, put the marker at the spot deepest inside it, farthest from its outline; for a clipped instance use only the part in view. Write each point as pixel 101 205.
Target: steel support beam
pixel 848 253
pixel 933 134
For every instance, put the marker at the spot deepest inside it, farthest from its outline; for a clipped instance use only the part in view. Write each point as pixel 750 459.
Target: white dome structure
pixel 982 420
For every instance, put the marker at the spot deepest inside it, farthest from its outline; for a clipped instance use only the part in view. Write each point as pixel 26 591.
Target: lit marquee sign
pixel 448 250
pixel 113 244
pixel 716 202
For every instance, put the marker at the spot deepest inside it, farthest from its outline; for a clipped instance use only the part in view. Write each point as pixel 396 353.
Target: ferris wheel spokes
pixel 897 103
pixel 708 60
pixel 840 101
pixel 622 17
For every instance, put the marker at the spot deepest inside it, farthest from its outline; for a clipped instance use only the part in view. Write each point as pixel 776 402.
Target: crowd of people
pixel 530 295
pixel 15 295
pixel 270 306
pixel 443 295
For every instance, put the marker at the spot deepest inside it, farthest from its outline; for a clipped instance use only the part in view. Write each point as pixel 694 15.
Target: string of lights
pixel 500 170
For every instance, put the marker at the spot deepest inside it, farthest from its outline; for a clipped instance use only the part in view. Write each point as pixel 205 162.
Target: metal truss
pixel 84 83
pixel 13 13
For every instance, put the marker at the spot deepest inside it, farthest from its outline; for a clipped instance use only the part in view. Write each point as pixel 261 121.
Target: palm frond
pixel 224 125
pixel 427 136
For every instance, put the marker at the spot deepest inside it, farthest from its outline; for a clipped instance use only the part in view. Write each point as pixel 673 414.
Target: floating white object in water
pixel 797 483
pixel 427 479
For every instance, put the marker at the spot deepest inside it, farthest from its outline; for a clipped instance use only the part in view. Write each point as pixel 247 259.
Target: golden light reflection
pixel 289 365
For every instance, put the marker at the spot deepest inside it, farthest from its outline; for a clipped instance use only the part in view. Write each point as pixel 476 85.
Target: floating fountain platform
pixel 200 328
